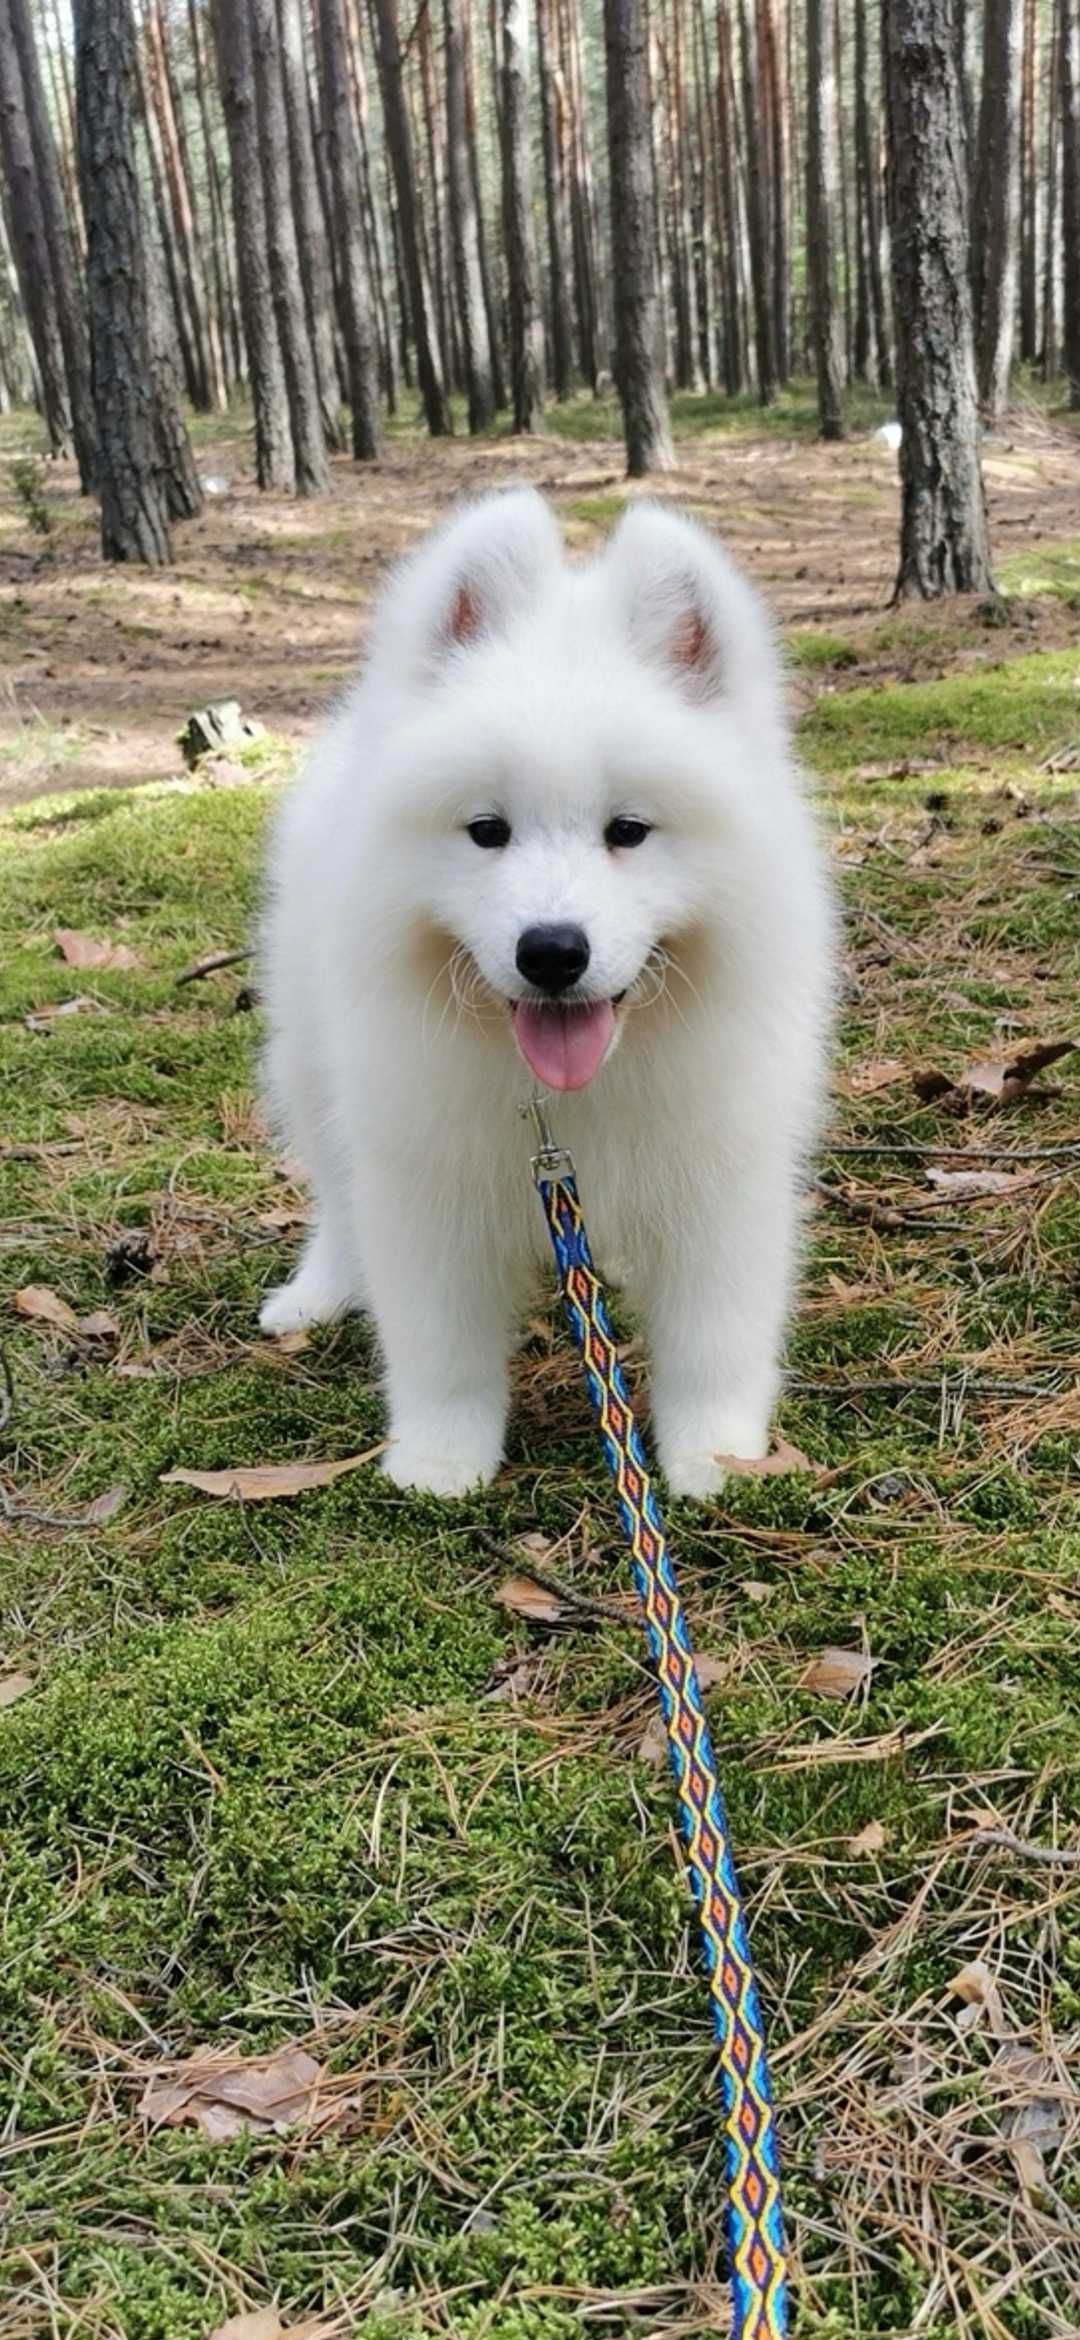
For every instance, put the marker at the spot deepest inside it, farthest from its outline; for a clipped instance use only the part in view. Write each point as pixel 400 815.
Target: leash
pixel 753 2217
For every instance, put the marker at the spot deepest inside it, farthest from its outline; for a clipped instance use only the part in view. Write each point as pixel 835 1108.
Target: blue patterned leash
pixel 754 2219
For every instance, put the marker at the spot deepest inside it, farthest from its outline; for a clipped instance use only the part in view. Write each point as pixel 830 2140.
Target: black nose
pixel 553 957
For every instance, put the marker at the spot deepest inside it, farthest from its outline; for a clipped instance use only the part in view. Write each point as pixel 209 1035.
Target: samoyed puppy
pixel 554 839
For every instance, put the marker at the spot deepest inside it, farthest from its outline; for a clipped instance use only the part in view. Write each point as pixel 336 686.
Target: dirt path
pixel 266 602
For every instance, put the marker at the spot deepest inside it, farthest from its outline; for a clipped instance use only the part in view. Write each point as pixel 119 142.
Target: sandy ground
pixel 266 602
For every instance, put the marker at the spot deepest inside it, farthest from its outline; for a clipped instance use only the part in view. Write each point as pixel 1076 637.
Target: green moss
pixel 263 1786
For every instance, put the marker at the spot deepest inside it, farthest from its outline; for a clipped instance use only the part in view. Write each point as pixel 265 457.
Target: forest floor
pixel 311 1774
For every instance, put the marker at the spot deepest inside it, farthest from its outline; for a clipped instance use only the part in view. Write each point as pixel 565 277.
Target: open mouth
pixel 564 1044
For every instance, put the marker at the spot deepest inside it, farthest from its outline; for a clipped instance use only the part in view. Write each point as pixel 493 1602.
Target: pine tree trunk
pixel 356 311
pixel 734 352
pixel 869 171
pixel 134 520
pixel 399 149
pixel 588 299
pixel 843 219
pixel 275 465
pixel 994 218
pixel 822 173
pixel 301 383
pixel 194 378
pixel 771 19
pixel 638 370
pixel 207 351
pixel 464 225
pixel 943 539
pixel 311 224
pixel 1029 187
pixel 757 206
pixel 1069 87
pixel 175 461
pixel 1048 355
pixel 30 244
pixel 228 316
pixel 553 122
pixel 525 325
pixel 16 27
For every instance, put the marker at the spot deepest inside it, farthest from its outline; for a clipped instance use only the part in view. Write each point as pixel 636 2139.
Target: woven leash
pixel 753 2220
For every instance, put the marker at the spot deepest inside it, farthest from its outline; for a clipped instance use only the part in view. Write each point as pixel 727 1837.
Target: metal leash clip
pixel 550 1159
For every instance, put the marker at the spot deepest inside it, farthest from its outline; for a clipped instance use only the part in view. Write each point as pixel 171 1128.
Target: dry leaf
pixel 13 1686
pixel 780 1457
pixel 968 1185
pixel 259 2324
pixel 871 1839
pixel 42 1017
pixel 45 1307
pixel 525 1598
pixel 264 1482
pixel 280 1220
pixel 1034 2123
pixel 224 2095
pixel 83 950
pixel 838 1673
pixel 652 1746
pixel 992 1081
pixel 864 1080
pixel 975 1985
pixel 105 1506
pixel 710 1670
pixel 756 1591
pixel 99 1326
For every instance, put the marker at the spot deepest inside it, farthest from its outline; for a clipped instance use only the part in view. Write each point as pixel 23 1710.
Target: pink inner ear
pixel 464 621
pixel 691 646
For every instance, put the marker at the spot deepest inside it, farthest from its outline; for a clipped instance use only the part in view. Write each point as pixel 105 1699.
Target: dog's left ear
pixel 688 611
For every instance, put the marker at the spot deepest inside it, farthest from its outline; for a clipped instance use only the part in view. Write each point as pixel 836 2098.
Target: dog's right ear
pixel 467 583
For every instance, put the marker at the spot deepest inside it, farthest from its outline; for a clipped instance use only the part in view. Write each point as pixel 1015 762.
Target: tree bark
pixel 822 172
pixel 204 342
pixel 301 383
pixel 1029 186
pixel 588 298
pixel 30 246
pixel 172 447
pixel 228 316
pixel 354 288
pixel 1048 355
pixel 771 26
pixel 553 123
pixel 312 227
pixel 526 369
pixel 134 521
pixel 399 150
pixel 16 27
pixel 995 216
pixel 869 172
pixel 757 206
pixel 638 369
pixel 943 539
pixel 1069 88
pixel 275 465
pixel 734 359
pixel 464 224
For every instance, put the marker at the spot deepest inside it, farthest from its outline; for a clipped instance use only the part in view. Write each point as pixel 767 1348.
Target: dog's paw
pixel 422 1471
pixel 444 1455
pixel 295 1306
pixel 696 1464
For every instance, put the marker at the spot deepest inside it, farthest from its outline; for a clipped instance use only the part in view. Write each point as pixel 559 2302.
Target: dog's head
pixel 570 754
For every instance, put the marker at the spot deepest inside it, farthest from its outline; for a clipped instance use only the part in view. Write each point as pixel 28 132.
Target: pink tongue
pixel 564 1047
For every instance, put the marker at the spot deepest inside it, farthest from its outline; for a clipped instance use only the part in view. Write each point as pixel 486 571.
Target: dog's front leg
pixel 716 1306
pixel 441 1302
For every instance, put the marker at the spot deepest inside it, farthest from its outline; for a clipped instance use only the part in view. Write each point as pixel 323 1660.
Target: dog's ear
pixel 688 611
pixel 469 582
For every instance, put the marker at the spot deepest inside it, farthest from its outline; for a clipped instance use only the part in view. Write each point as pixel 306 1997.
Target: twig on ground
pixel 931 1384
pixel 1051 1856
pixel 212 964
pixel 523 1565
pixel 1067 1148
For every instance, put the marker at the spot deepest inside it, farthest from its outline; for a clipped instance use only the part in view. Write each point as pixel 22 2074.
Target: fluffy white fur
pixel 503 679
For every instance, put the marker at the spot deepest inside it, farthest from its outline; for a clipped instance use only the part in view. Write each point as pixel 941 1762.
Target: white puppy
pixel 553 836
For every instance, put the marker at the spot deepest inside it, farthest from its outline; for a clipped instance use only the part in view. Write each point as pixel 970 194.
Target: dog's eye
pixel 490 832
pixel 624 831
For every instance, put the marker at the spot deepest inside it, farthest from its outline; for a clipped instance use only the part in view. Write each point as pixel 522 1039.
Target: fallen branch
pixel 212 965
